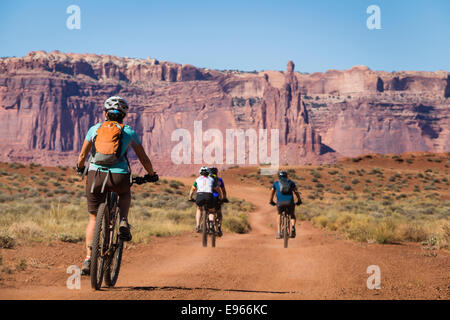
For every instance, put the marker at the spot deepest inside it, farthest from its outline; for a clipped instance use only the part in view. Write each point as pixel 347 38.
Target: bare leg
pixel 124 205
pixel 197 215
pixel 211 216
pixel 90 233
pixel 279 222
pixel 219 217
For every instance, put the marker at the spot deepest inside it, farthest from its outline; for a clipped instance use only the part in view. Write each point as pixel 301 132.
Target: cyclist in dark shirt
pixel 285 189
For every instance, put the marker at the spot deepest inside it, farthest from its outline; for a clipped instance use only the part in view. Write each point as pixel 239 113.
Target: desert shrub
pixel 385 232
pixel 16 165
pixel 174 184
pixel 376 171
pixel 315 174
pixel 26 230
pixel 237 224
pixel 21 265
pixel 321 221
pixel 34 165
pixel 168 190
pixel 64 237
pixel 359 230
pixel 7 242
pixel 413 232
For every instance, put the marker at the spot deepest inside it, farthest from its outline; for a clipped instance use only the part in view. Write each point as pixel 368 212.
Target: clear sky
pixel 247 35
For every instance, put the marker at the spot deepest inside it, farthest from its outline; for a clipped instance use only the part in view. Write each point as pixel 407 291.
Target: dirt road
pixel 317 265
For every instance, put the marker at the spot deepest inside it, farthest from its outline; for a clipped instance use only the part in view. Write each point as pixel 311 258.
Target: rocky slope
pixel 49 100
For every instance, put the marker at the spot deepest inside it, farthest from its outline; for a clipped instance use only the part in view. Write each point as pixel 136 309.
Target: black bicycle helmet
pixel 213 170
pixel 282 174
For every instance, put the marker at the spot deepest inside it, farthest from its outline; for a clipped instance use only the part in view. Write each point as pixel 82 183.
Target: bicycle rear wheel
pixel 205 227
pixel 99 246
pixel 213 233
pixel 115 255
pixel 285 230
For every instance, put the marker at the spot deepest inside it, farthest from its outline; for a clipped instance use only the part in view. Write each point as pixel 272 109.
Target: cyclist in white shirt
pixel 205 186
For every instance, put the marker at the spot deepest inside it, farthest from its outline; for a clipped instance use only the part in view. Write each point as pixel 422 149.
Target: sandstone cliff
pixel 49 100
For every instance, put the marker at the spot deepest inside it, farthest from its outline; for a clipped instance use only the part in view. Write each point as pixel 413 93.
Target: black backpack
pixel 285 186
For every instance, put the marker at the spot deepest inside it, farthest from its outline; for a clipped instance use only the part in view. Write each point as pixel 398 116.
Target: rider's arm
pixel 224 192
pixel 219 191
pixel 272 194
pixel 297 194
pixel 84 153
pixel 142 156
pixel 191 193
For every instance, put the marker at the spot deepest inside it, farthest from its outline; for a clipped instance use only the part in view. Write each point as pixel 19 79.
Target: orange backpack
pixel 107 141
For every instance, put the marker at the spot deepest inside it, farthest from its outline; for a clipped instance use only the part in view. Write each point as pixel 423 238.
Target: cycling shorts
pixel 288 205
pixel 205 198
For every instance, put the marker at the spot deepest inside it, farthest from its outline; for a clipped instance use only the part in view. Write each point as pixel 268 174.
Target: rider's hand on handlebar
pixel 151 178
pixel 272 203
pixel 80 171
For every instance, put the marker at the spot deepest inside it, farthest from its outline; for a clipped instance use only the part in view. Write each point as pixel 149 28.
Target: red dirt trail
pixel 317 265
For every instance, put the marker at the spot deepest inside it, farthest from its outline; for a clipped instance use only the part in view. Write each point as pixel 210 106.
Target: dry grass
pixel 47 204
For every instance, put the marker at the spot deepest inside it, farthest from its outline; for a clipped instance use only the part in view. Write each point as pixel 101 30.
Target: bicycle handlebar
pixel 146 178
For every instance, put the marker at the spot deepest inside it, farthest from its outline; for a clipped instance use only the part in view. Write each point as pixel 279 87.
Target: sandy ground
pixel 317 265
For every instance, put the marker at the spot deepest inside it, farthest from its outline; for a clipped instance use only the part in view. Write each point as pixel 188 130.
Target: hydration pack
pixel 106 148
pixel 285 186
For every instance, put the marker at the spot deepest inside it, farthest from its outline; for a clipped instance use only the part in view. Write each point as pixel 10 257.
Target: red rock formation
pixel 48 101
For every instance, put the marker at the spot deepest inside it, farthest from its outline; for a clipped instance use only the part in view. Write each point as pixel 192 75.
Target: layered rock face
pixel 48 101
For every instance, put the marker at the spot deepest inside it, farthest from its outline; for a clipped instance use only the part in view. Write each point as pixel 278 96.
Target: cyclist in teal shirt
pixel 285 200
pixel 115 176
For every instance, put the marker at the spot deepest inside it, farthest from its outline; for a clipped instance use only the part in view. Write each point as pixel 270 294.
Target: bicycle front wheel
pixel 99 246
pixel 115 255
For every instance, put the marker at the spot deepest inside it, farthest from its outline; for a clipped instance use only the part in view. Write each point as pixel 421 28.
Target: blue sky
pixel 247 35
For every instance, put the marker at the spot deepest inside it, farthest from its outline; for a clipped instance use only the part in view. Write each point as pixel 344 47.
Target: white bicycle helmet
pixel 204 170
pixel 117 103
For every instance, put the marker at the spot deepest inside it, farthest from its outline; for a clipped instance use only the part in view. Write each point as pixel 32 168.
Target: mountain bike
pixel 107 245
pixel 285 223
pixel 209 228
